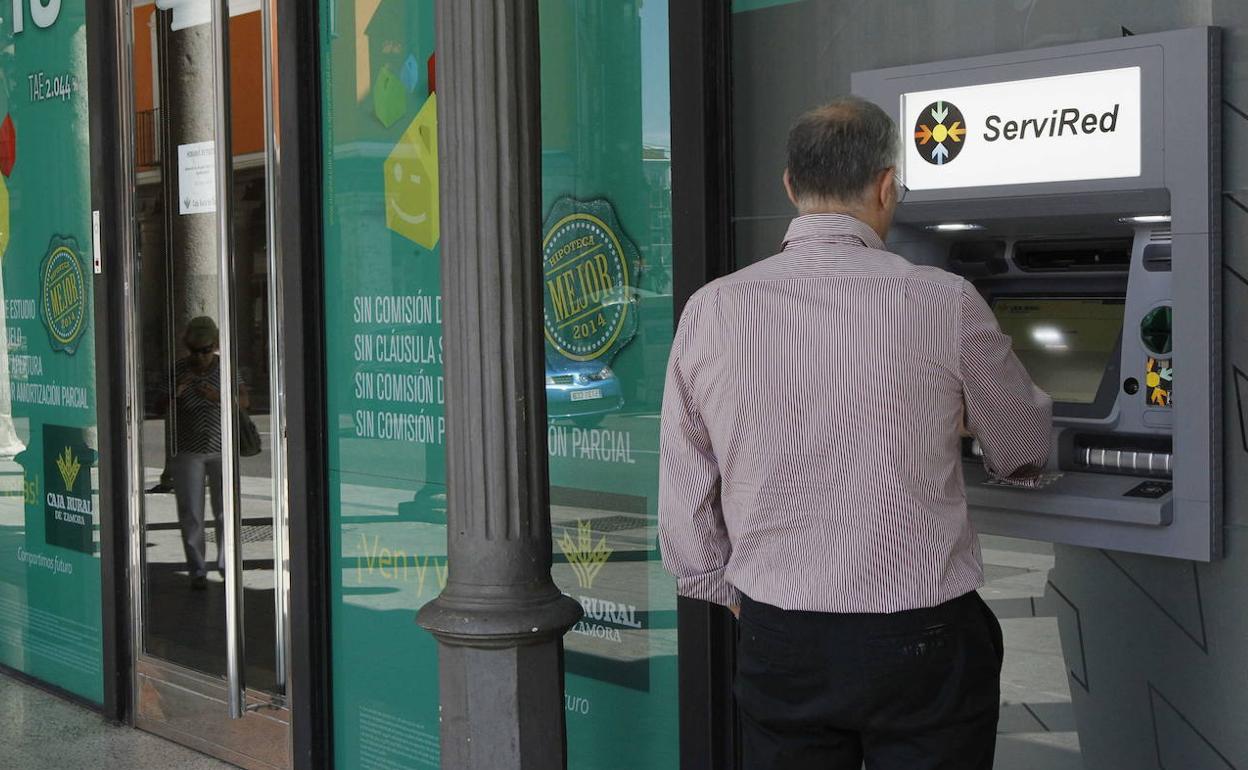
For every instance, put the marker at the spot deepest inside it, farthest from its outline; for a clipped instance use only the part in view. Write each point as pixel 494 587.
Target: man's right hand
pixel 1026 472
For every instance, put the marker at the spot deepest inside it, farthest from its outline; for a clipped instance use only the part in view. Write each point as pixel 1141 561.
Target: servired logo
pixel 940 133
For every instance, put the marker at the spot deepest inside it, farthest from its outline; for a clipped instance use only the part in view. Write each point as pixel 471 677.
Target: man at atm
pixel 811 472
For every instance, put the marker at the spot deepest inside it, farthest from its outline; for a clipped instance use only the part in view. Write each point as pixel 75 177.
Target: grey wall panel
pixel 1158 626
pixel 1232 17
pixel 1131 627
pixel 1235 398
pixel 758 238
pixel 1179 742
pixel 1235 232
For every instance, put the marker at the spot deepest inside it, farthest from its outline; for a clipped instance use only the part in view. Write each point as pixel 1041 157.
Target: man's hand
pixel 1026 472
pixel 735 609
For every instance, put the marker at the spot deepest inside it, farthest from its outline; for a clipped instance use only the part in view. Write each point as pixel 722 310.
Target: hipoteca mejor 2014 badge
pixel 63 294
pixel 590 270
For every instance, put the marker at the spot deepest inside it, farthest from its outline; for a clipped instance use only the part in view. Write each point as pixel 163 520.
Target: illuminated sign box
pixel 1064 128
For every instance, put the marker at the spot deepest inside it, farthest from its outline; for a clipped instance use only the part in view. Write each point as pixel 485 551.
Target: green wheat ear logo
pixel 69 467
pixel 586 558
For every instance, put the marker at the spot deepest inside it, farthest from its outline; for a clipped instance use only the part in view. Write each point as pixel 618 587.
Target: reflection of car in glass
pixel 584 391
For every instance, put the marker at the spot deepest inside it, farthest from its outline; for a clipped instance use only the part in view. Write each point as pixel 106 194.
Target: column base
pixel 502 708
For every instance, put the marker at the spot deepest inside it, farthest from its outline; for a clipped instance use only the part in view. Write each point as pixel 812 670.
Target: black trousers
pixel 913 690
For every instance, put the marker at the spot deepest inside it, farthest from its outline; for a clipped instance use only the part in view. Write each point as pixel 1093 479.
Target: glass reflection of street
pixel 188 626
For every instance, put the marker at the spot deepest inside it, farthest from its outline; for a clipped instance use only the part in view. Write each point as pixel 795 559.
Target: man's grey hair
pixel 835 152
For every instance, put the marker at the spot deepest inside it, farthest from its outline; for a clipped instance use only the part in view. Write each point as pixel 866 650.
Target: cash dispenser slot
pixel 1151 456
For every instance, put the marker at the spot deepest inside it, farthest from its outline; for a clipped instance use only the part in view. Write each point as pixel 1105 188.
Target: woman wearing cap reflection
pixel 197 458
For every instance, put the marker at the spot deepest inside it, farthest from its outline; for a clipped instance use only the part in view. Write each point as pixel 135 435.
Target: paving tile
pixel 1017 718
pixel 1038 751
pixel 1034 669
pixel 1057 717
pixel 1009 609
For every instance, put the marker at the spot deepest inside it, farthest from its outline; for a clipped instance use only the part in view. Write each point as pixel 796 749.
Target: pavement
pixel 1037 728
pixel 40 730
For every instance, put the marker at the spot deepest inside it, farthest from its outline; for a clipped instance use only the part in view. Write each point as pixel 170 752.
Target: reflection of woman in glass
pixel 197 406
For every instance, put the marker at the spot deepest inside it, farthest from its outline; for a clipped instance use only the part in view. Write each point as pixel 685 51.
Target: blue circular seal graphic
pixel 63 295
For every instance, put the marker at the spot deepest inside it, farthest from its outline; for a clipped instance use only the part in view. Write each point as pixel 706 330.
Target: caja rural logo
pixel 940 133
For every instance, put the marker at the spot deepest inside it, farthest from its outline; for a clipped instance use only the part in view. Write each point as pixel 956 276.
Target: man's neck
pixel 875 220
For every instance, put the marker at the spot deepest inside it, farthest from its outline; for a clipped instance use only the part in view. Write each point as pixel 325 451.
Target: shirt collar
pixel 831 227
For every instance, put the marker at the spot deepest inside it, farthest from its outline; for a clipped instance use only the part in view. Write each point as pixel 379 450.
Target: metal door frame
pixel 700 32
pixel 262 718
pixel 302 314
pixel 302 319
pixel 109 190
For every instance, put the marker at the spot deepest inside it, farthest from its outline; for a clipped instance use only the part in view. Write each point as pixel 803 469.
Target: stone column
pixel 188 97
pixel 190 283
pixel 500 620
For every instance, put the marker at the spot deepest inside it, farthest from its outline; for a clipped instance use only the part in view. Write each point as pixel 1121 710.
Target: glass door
pixel 204 355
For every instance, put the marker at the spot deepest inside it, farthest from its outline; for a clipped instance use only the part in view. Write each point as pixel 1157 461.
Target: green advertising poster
pixel 383 310
pixel 607 263
pixel 49 520
pixel 608 329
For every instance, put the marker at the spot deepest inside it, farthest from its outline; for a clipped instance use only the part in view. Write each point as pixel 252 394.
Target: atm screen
pixel 1064 342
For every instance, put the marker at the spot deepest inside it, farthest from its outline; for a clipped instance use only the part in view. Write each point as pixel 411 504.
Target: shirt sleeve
pixel 1005 411
pixel 692 535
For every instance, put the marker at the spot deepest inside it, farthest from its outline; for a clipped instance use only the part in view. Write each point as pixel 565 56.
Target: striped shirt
pixel 810 453
pixel 198 418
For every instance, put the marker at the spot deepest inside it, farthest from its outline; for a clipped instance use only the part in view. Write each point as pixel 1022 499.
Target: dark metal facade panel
pixel 702 186
pixel 303 311
pixel 108 179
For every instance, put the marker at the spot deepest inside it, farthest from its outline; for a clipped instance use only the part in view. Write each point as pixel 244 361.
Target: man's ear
pixel 788 188
pixel 885 188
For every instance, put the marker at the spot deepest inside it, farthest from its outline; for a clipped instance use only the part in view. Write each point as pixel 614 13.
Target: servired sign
pixel 1056 129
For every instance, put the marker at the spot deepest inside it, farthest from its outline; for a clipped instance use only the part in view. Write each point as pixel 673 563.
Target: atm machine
pixel 1076 188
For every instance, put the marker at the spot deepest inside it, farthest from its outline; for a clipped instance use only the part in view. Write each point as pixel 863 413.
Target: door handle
pixel 236 685
pixel 277 369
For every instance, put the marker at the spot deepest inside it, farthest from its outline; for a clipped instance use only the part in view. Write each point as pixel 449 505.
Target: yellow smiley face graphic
pixel 411 186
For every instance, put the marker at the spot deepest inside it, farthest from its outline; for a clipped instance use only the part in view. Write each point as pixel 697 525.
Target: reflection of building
pixel 592 109
pixel 657 166
pixel 180 276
